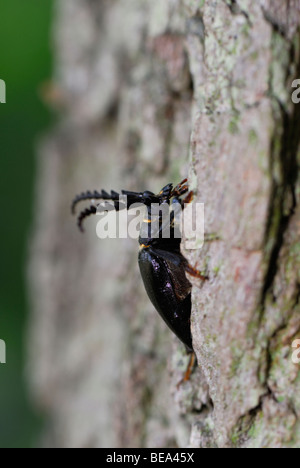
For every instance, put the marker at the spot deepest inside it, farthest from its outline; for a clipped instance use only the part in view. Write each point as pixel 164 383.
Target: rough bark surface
pixel 149 91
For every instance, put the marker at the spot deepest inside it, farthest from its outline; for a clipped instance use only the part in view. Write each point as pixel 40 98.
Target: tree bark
pixel 148 92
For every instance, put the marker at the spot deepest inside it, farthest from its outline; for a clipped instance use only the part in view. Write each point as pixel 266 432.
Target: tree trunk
pixel 148 92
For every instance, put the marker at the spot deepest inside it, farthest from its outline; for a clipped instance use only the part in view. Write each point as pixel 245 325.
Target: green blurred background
pixel 25 63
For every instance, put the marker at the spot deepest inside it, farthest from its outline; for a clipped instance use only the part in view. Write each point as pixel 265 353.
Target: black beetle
pixel 162 265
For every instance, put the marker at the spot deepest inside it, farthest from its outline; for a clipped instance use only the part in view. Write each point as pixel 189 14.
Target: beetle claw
pixel 189 370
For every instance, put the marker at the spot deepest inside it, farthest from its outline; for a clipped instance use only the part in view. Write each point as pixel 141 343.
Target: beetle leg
pixel 190 367
pixel 189 370
pixel 180 189
pixel 188 199
pixel 194 272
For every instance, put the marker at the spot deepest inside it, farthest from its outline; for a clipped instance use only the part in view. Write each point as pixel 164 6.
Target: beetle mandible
pixel 163 267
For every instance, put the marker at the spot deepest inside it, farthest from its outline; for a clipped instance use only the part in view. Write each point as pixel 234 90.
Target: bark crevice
pixel 284 152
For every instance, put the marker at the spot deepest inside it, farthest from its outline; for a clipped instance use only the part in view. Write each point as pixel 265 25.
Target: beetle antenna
pixel 103 195
pixel 85 214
